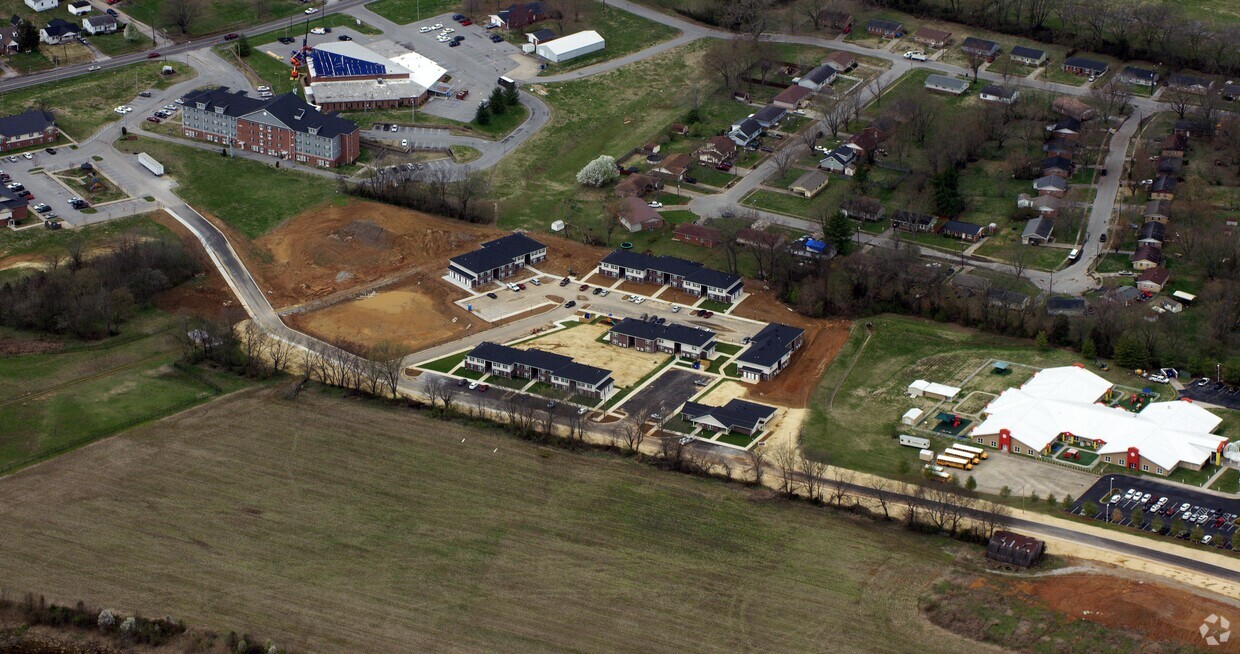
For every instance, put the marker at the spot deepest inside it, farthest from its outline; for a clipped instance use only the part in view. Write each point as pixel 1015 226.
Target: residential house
pixel 1146 256
pixel 769 115
pixel 769 351
pixel 1038 231
pixel 671 338
pixel 689 276
pixel 559 371
pixel 1158 211
pixel 673 167
pixel 1175 145
pixel 1152 280
pixel 1190 83
pixel 637 185
pixel 1045 205
pixel 1060 147
pixel 540 36
pixel 999 94
pixel 1192 127
pixel 744 132
pixel 42 5
pixel 793 97
pixel 59 31
pixel 836 19
pixel 1125 296
pixel 1067 105
pixel 284 126
pixel 1230 91
pixel 760 238
pixel 1139 76
pixel 862 208
pixel 680 129
pixel 30 127
pixel 80 7
pixel 736 416
pixel 821 76
pixel 1163 188
pixel 637 216
pixel 651 148
pixel 701 235
pixel 911 221
pixel 888 29
pixel 1028 56
pixel 962 230
pixel 1065 306
pixel 947 84
pixel 1083 66
pixel 886 124
pixel 1052 185
pixel 1068 128
pixel 980 47
pixel 866 140
pixel 13 207
pixel 717 150
pixel 810 183
pixel 10 39
pixel 1058 166
pixel 970 284
pixel 932 37
pixel 1007 299
pixel 841 160
pixel 841 61
pixel 1169 166
pixel 519 16
pixel 100 24
pixel 1152 233
pixel 495 260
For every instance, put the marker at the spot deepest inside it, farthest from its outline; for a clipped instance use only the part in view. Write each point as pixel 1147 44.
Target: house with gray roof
pixel 947 84
pixel 1028 56
pixel 690 276
pixel 559 371
pixel 30 127
pixel 769 351
pixel 737 415
pixel 1037 231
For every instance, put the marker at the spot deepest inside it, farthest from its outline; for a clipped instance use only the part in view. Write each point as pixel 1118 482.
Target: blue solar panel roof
pixel 330 64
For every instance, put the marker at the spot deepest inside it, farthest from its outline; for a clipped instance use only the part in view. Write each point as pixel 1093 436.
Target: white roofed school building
pixel 1067 405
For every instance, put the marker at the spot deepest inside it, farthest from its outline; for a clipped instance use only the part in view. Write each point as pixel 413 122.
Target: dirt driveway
pixel 626 364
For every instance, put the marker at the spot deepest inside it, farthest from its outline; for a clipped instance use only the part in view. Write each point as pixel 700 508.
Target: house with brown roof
pixel 694 234
pixel 932 37
pixel 810 183
pixel 1146 257
pixel 637 185
pixel 760 238
pixel 717 150
pixel 1066 105
pixel 841 61
pixel 1158 211
pixel 865 141
pixel 1153 279
pixel 1163 188
pixel 793 97
pixel 637 216
pixel 673 167
pixel 835 19
pixel 1175 145
pixel 862 208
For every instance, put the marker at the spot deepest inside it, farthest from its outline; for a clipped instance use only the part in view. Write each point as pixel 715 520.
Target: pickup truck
pixel 916 56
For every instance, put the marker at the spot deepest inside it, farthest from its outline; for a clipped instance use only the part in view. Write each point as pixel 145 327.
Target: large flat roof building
pixel 344 75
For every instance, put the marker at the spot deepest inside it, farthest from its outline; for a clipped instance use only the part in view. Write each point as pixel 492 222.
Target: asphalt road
pixel 670 390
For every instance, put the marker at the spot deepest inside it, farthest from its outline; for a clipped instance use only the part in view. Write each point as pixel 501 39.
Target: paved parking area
pixel 508 303
pixel 1213 392
pixel 1199 504
pixel 666 392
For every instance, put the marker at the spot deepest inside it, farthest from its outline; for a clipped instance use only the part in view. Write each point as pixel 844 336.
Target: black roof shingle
pixel 286 108
pixel 670 331
pixel 498 253
pixel 770 345
pixel 27 122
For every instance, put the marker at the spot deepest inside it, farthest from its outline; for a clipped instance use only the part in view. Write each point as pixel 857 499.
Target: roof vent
pixel 299 114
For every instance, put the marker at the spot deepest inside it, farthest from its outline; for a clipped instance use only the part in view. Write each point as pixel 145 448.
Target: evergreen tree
pixel 862 179
pixel 970 483
pixel 1088 349
pixel 947 198
pixel 27 37
pixel 1131 353
pixel 483 115
pixel 840 233
pixel 1089 509
pixel 512 97
pixel 497 101
pixel 243 47
pixel 1138 517
pixel 1042 341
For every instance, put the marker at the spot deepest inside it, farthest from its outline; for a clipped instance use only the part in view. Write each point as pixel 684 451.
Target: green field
pixel 215 16
pixel 35 243
pixel 407 11
pixel 857 431
pixel 384 517
pixel 84 104
pixel 298 29
pixel 116 44
pixel 237 191
pixel 88 391
pixel 624 32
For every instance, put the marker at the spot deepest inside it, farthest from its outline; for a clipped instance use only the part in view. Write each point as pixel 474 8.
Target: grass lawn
pixel 237 191
pixel 499 126
pixel 734 438
pixel 84 104
pixel 270 71
pixel 728 348
pixel 408 11
pixel 858 430
pixel 464 153
pixel 116 44
pixel 446 364
pixel 93 391
pixel 215 16
pixel 1111 263
pixel 29 62
pixel 715 305
pixel 298 29
pixel 81 184
pixel 503 123
pixel 364 511
pixel 623 31
pixel 37 242
pixel 1229 482
pixel 1039 258
pixel 827 201
pixel 678 216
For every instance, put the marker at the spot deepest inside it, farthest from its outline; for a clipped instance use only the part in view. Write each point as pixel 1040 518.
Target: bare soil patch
pixel 793 386
pixel 678 296
pixel 626 364
pixel 207 296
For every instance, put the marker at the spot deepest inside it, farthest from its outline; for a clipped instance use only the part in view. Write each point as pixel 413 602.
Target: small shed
pixel 911 416
pixel 1015 549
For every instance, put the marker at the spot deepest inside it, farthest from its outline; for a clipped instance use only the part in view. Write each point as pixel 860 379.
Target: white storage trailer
pixel 150 164
pixel 914 441
pixel 926 455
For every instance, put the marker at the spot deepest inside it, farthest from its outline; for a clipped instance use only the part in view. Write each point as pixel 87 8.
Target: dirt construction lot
pixel 416 315
pixel 626 364
pixel 823 340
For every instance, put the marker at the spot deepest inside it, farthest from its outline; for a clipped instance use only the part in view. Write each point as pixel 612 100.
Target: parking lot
pixel 1212 392
pixel 507 302
pixel 1203 509
pixel 667 392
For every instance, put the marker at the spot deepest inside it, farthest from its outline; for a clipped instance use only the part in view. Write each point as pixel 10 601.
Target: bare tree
pixel 881 485
pixel 389 365
pixel 992 517
pixel 1110 98
pixel 975 61
pixel 254 345
pixel 840 480
pixel 921 118
pixel 182 13
pixel 785 459
pixel 549 414
pixel 279 352
pixel 261 8
pixel 747 17
pixel 835 114
pixel 757 462
pixel 813 472
pixel 783 159
pixel 728 58
pixel 634 429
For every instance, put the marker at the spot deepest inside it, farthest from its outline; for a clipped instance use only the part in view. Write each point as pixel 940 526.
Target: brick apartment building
pixel 30 127
pixel 285 127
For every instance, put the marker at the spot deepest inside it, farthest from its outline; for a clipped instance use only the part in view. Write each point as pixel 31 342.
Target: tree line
pixel 435 191
pixel 91 296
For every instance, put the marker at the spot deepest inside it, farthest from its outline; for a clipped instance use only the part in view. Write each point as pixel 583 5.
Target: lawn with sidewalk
pixel 403 12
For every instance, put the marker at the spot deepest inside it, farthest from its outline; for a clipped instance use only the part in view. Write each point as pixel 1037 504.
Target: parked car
pixel 583 287
pixel 1102 238
pixel 462 94
pixel 691 180
pixel 466 22
pixel 473 385
pixel 725 167
pixel 706 314
pixel 564 282
pixel 454 44
pixel 318 30
pixel 28 156
pixel 570 304
pixel 153 119
pixel 231 36
pixel 916 56
pixel 493 296
pixel 112 12
pixel 596 291
pixel 461 382
pixel 535 281
pixel 344 37
pixel 521 287
pixel 42 208
pixel 1205 540
pixel 495 38
pixel 655 205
